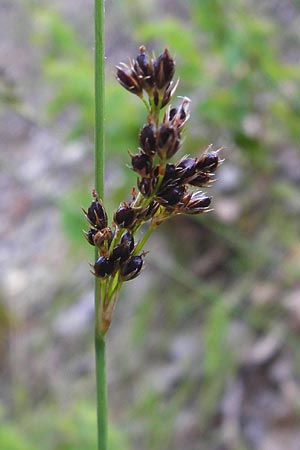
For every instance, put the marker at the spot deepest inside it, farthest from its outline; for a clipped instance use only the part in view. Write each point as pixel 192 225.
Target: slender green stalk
pixel 101 392
pixel 99 187
pixel 99 97
pixel 144 239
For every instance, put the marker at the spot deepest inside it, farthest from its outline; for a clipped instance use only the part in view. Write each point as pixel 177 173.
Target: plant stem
pixel 101 392
pixel 144 239
pixel 99 97
pixel 99 187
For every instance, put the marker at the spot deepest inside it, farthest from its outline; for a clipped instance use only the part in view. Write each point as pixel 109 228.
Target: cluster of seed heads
pixel 164 189
pixel 114 255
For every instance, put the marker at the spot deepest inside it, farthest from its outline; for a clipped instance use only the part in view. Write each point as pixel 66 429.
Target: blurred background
pixel 203 353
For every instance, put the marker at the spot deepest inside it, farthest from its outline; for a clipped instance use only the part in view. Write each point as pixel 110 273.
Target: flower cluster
pixel 164 189
pixel 153 76
pixel 113 256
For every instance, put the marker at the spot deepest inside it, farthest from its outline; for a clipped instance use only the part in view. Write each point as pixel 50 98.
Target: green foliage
pixel 52 429
pixel 159 419
pixel 11 438
pixel 72 216
pixel 180 36
pixel 216 322
pixel 68 64
pixel 217 361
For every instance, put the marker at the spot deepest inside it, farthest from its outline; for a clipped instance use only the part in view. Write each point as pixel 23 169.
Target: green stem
pixel 143 241
pixel 99 97
pixel 114 282
pixel 146 104
pixel 99 186
pixel 101 392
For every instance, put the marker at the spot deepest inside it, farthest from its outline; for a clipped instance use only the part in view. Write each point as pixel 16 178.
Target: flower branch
pixel 164 189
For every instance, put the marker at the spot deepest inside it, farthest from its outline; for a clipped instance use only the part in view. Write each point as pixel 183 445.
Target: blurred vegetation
pixel 232 63
pixel 72 429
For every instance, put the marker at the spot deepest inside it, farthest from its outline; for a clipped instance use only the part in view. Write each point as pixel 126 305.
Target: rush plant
pixel 165 188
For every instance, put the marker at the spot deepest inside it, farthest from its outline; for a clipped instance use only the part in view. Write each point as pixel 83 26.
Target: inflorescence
pixel 164 189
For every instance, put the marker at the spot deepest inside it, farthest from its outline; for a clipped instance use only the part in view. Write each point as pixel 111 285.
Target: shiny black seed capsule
pixel 208 162
pixel 131 268
pixel 144 67
pixel 148 140
pixel 129 80
pixel 186 168
pixel 150 211
pixel 128 240
pixel 124 216
pixel 168 141
pixel 142 164
pixel 201 179
pixel 120 252
pixel 104 266
pixel 172 113
pixel 164 68
pixel 146 186
pixel 96 214
pixel 198 203
pixel 169 175
pixel 171 196
pixel 89 235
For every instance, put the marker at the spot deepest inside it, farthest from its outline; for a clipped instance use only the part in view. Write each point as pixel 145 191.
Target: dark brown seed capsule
pixel 170 178
pixel 200 179
pixel 143 62
pixel 148 140
pixel 146 186
pixel 170 172
pixel 172 113
pixel 208 162
pixel 171 196
pixel 123 250
pixel 131 268
pixel 168 141
pixel 128 240
pixel 199 202
pixel 150 211
pixel 144 68
pixel 165 135
pixel 89 235
pixel 96 214
pixel 177 117
pixel 164 68
pixel 129 80
pixel 124 216
pixel 186 168
pixel 120 252
pixel 104 266
pixel 142 164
